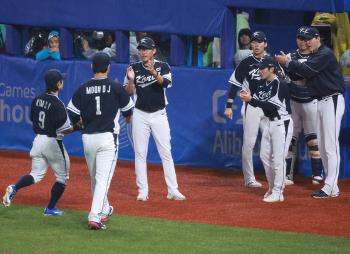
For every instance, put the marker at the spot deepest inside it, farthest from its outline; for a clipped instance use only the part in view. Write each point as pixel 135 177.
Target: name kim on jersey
pixel 43 104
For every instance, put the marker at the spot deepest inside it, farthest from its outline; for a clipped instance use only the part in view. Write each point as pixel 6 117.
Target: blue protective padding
pixel 190 17
pixel 201 135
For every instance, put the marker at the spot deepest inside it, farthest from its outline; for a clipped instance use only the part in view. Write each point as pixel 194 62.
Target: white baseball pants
pixel 47 151
pixel 143 124
pixel 101 153
pixel 304 117
pixel 253 119
pixel 275 142
pixel 330 112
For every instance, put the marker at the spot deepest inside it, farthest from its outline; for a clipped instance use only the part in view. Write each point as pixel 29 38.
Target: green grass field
pixel 25 230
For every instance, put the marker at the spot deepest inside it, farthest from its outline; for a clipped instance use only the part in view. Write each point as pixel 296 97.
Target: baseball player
pixel 304 110
pixel 50 122
pixel 97 102
pixel 149 78
pixel 323 76
pixel 246 77
pixel 272 96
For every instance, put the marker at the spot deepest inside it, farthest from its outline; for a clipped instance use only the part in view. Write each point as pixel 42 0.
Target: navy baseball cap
pixel 100 62
pixel 267 62
pixel 258 36
pixel 308 32
pixel 52 77
pixel 146 43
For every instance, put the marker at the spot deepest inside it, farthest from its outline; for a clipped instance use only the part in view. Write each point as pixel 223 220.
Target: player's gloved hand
pixel 228 113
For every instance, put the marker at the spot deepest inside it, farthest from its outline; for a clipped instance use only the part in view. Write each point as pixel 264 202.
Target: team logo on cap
pixel 304 30
pixel 256 34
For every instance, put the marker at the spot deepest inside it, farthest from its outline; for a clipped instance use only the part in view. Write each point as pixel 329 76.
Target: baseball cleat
pixel 268 193
pixel 9 195
pixel 288 182
pixel 52 212
pixel 322 194
pixel 253 184
pixel 176 196
pixel 317 180
pixel 334 195
pixel 274 198
pixel 93 225
pixel 106 217
pixel 319 194
pixel 142 197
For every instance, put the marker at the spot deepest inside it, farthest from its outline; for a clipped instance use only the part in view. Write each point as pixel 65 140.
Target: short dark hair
pixel 100 62
pixel 52 77
pixel 244 31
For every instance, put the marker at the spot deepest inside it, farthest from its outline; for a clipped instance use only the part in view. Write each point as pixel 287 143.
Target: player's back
pixel 98 101
pixel 48 114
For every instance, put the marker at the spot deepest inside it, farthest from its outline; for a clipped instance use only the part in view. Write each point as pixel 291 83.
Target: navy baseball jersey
pixel 273 98
pixel 299 92
pixel 246 75
pixel 296 55
pixel 49 115
pixel 321 71
pixel 97 102
pixel 150 96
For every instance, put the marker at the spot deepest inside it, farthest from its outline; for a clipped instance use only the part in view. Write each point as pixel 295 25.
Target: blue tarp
pixel 187 17
pixel 192 17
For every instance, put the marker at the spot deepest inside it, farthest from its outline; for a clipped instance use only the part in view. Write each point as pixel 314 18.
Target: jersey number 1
pixel 98 105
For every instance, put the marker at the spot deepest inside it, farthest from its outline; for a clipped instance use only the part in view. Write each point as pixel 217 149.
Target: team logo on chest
pixel 265 94
pixel 254 74
pixel 146 79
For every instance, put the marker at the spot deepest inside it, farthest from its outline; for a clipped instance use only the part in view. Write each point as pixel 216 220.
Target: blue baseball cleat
pixel 9 195
pixel 52 212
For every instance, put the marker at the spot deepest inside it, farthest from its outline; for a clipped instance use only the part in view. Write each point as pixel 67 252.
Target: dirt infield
pixel 214 197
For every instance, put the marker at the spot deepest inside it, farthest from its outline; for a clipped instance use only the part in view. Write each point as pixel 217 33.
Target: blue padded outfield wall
pixel 201 136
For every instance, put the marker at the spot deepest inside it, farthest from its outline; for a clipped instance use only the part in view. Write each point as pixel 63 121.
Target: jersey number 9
pixel 41 119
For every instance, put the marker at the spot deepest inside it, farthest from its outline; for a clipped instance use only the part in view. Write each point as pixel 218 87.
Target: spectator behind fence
pixel 2 38
pixel 53 49
pixel 37 41
pixel 99 42
pixel 216 52
pixel 243 50
pixel 135 38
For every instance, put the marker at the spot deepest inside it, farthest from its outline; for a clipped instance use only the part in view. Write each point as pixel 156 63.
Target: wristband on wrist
pixel 229 104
